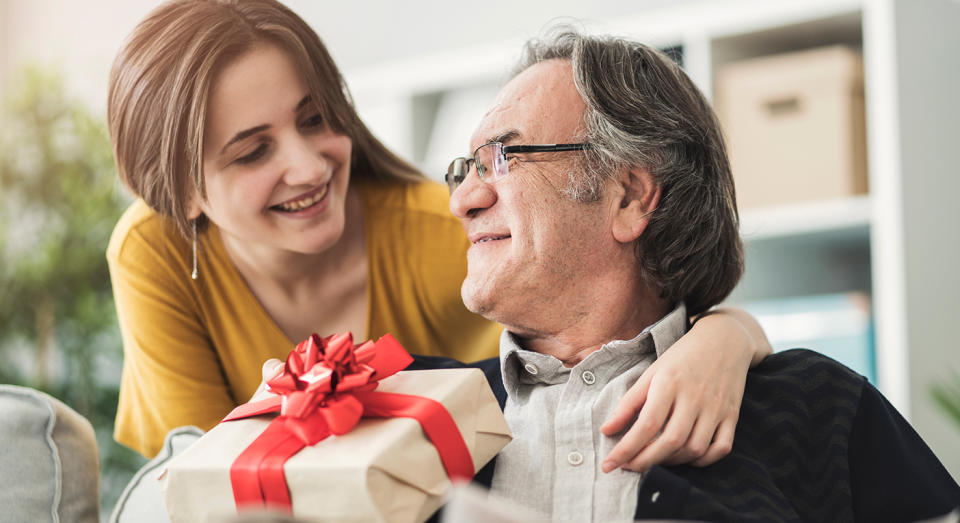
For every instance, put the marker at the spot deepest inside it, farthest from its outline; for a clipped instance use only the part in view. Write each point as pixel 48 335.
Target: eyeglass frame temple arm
pixel 545 148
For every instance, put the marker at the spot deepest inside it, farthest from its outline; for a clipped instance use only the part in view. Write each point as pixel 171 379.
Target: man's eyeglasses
pixel 492 163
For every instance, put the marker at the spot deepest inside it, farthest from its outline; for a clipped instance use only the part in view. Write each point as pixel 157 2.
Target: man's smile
pixel 479 238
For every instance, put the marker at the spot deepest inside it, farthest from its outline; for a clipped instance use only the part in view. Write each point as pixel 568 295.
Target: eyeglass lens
pixel 456 172
pixel 491 163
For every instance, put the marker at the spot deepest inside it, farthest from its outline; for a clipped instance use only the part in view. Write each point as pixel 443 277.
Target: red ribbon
pixel 326 387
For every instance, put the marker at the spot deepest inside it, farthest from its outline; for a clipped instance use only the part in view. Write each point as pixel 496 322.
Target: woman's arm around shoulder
pixel 689 399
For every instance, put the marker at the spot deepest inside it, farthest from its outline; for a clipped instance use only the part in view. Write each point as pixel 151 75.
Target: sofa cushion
pixel 142 499
pixel 49 464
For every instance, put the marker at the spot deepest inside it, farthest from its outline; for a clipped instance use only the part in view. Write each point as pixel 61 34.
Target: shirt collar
pixel 520 366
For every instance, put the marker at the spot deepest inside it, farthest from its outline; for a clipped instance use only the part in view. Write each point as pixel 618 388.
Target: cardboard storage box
pixel 795 126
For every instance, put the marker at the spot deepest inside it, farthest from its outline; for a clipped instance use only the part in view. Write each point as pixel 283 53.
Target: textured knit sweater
pixel 815 442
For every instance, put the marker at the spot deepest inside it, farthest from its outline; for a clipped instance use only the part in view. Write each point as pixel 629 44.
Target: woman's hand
pixel 271 369
pixel 689 399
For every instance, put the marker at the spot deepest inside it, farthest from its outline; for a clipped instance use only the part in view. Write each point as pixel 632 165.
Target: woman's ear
pixel 639 197
pixel 194 210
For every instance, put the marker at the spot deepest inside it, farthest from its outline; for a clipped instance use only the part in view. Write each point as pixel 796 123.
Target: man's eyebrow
pixel 505 136
pixel 243 134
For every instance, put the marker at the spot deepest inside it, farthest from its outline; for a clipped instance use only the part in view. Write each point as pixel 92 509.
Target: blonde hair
pixel 161 79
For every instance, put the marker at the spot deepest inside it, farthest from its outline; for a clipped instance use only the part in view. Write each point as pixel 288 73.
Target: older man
pixel 601 210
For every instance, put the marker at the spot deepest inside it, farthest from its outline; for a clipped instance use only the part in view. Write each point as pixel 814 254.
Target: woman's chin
pixel 317 243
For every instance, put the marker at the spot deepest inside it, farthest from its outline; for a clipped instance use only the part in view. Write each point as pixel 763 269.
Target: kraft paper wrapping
pixel 383 470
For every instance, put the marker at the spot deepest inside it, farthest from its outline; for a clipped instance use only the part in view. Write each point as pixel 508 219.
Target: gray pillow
pixel 142 499
pixel 49 464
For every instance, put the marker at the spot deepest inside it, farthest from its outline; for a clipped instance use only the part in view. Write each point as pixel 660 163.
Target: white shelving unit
pixel 899 244
pixel 806 218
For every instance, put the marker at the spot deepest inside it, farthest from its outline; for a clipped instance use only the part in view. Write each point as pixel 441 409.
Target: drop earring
pixel 194 273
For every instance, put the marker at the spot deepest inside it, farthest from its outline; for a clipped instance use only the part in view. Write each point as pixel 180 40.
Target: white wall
pixel 78 38
pixel 82 38
pixel 390 30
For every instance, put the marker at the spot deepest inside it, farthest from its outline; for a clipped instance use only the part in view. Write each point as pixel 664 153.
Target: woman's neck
pixel 290 273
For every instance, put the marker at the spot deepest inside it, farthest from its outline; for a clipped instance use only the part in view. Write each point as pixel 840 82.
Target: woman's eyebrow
pixel 243 134
pixel 303 103
pixel 254 130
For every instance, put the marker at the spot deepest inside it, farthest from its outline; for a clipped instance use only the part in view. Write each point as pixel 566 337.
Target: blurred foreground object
pixel 795 126
pixel 471 503
pixel 142 499
pixel 48 460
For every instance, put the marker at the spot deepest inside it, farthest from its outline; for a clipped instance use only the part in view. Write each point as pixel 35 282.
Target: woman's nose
pixel 306 163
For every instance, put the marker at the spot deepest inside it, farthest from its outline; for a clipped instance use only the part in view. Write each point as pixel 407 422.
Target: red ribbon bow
pixel 326 387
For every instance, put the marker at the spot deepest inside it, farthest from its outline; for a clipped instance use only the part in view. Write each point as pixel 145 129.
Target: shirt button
pixel 531 368
pixel 588 377
pixel 575 458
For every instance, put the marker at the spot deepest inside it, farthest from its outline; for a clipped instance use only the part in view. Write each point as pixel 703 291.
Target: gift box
pixel 380 469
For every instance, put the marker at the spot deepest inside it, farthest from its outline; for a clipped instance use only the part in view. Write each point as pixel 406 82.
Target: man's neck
pixel 573 343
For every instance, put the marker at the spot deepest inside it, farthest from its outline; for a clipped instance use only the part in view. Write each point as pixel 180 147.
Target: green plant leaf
pixel 947 396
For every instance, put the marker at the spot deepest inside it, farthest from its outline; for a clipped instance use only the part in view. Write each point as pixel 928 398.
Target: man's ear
pixel 639 196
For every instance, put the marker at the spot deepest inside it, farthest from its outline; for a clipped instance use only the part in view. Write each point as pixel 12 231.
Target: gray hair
pixel 643 111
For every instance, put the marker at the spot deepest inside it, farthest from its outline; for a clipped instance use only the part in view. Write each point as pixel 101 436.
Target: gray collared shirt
pixel 555 413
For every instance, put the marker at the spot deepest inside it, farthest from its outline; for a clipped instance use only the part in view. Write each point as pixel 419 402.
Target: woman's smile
pixel 303 202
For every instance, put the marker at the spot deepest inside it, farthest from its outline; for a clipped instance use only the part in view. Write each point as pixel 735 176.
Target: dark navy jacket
pixel 814 442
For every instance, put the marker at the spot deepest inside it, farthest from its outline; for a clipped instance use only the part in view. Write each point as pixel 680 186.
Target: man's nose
pixel 472 196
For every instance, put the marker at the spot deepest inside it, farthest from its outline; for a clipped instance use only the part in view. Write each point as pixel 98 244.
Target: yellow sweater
pixel 193 349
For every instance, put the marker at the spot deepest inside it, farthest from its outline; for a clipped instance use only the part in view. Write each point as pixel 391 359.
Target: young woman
pixel 267 211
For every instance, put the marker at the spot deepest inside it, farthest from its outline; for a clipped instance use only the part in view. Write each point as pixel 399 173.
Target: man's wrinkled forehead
pixel 539 105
